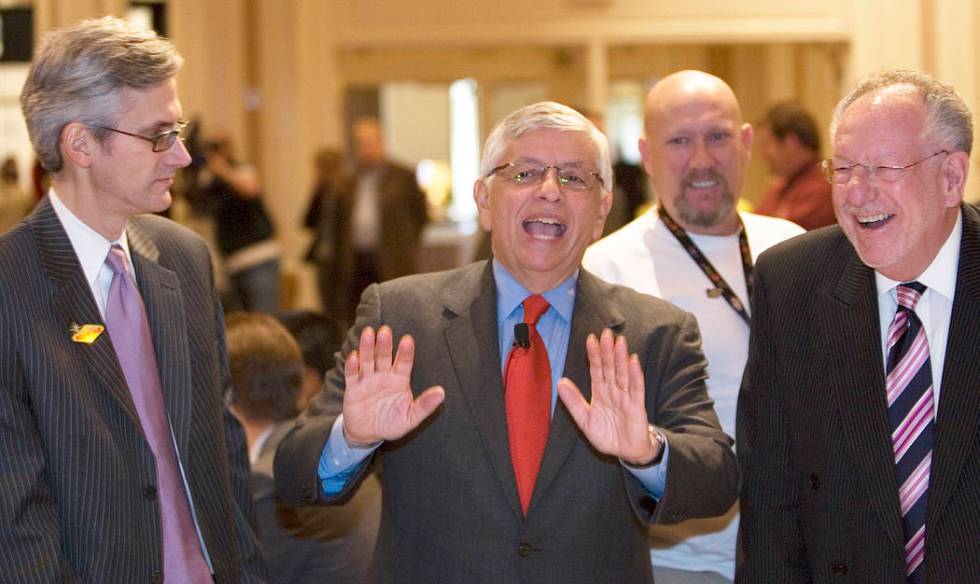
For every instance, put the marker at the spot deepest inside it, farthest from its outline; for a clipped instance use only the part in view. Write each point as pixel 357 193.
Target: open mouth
pixel 544 227
pixel 873 221
pixel 702 184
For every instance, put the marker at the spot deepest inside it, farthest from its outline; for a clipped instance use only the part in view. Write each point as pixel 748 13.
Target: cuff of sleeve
pixel 653 476
pixel 338 454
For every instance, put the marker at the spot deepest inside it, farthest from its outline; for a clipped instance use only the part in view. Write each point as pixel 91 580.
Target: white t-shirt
pixel 645 256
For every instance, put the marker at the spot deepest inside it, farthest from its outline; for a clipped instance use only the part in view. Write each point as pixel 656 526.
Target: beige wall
pixel 296 58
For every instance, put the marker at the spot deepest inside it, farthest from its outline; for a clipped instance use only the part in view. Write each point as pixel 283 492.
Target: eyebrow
pixel 565 164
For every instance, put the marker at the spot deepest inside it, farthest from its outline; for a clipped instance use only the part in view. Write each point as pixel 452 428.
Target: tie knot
pixel 117 260
pixel 909 294
pixel 534 307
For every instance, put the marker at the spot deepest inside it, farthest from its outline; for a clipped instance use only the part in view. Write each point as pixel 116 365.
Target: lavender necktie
pixel 910 410
pixel 183 560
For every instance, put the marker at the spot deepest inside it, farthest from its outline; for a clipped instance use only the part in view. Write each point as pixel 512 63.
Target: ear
pixel 605 204
pixel 77 144
pixel 746 135
pixel 644 154
pixel 954 171
pixel 481 196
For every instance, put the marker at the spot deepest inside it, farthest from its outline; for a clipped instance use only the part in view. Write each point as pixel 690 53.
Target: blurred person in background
pixel 312 545
pixel 380 219
pixel 319 338
pixel 790 145
pixel 14 202
pixel 321 218
pixel 243 232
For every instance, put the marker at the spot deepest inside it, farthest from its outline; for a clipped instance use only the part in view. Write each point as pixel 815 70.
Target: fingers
pixel 574 401
pixel 366 351
pixel 426 403
pixel 405 356
pixel 637 384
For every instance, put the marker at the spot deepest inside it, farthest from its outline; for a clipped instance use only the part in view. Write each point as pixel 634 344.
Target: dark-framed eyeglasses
pixel 526 174
pixel 161 142
pixel 838 174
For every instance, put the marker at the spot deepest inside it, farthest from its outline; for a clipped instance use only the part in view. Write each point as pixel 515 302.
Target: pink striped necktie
pixel 125 318
pixel 910 412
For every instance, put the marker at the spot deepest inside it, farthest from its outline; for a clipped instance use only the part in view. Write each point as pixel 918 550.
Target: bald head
pixel 696 150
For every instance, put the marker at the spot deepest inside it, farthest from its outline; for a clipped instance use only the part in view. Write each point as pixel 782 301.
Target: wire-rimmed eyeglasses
pixel 161 142
pixel 838 174
pixel 526 174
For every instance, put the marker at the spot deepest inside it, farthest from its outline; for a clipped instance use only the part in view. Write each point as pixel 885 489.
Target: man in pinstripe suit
pixel 858 446
pixel 82 492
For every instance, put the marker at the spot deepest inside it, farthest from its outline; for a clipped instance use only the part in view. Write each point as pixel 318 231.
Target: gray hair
pixel 78 76
pixel 546 115
pixel 948 118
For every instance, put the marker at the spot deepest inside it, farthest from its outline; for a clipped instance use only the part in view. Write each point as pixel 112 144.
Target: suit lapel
pixel 160 289
pixel 856 379
pixel 72 304
pixel 959 393
pixel 472 343
pixel 591 315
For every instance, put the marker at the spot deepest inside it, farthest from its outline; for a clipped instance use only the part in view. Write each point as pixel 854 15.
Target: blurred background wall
pixel 285 77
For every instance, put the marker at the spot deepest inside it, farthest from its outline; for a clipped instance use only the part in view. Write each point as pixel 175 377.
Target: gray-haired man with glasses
pixel 118 459
pixel 531 417
pixel 858 414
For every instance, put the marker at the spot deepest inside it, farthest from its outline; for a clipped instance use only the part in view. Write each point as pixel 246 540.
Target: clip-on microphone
pixel 522 335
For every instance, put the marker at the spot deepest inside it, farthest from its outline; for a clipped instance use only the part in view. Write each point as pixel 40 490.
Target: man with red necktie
pixel 858 414
pixel 531 418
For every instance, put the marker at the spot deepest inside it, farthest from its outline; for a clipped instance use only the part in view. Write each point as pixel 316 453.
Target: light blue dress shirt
pixel 340 461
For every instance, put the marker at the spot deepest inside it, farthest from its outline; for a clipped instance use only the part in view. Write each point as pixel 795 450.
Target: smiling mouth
pixel 544 228
pixel 873 221
pixel 702 184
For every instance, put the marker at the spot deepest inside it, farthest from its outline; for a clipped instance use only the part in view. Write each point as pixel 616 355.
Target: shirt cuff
pixel 653 477
pixel 340 461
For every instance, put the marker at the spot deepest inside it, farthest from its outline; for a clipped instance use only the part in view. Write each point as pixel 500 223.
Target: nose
pixel 178 154
pixel 701 156
pixel 858 189
pixel 550 185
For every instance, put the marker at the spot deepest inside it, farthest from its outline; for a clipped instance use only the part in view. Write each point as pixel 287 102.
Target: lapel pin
pixel 86 333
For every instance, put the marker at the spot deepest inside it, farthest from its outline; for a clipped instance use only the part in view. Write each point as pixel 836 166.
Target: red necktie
pixel 527 392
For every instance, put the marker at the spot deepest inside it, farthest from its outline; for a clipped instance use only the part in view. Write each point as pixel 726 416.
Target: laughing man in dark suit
pixel 114 456
pixel 857 420
pixel 459 503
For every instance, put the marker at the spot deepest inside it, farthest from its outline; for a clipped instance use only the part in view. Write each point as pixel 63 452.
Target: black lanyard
pixel 721 286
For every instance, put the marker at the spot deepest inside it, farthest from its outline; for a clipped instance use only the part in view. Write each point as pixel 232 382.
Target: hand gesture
pixel 615 423
pixel 378 401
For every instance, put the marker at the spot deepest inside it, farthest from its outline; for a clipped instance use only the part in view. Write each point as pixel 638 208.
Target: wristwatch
pixel 655 434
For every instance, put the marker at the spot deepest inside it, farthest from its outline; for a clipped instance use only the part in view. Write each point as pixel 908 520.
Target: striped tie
pixel 910 411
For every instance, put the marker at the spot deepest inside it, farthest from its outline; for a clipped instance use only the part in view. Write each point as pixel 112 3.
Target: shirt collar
pixel 511 293
pixel 940 276
pixel 89 245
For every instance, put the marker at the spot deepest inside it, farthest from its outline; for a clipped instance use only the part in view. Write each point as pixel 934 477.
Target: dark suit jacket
pixel 402 212
pixel 314 545
pixel 820 499
pixel 76 473
pixel 450 507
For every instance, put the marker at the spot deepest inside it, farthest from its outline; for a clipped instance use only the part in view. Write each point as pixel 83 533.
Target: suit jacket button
pixel 150 493
pixel 814 482
pixel 156 576
pixel 839 569
pixel 524 550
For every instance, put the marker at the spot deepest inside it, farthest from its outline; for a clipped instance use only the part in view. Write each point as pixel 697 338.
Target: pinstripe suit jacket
pixel 450 506
pixel 819 499
pixel 76 473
